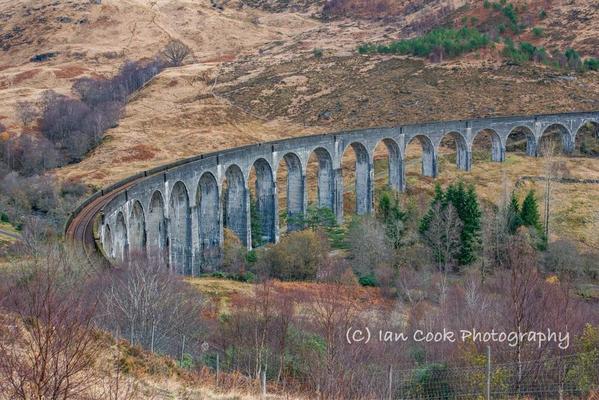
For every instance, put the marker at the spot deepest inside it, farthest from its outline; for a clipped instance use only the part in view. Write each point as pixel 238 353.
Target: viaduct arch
pixel 177 212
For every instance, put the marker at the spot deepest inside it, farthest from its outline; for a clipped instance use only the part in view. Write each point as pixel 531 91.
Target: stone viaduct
pixel 179 210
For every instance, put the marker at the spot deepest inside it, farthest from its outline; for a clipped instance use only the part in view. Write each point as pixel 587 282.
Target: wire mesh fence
pixel 548 378
pixel 574 376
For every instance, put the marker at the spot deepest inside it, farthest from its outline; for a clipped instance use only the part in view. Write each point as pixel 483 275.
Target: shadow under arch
pixel 462 160
pixel 325 179
pixel 266 208
pixel 362 179
pixel 517 135
pixel 107 243
pixel 180 230
pixel 137 230
pixel 395 172
pixel 235 204
pixel 295 190
pixel 121 245
pixel 586 139
pixel 429 161
pixel 489 135
pixel 209 227
pixel 555 138
pixel 156 230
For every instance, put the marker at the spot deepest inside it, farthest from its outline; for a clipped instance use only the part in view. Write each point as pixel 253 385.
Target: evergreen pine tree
pixel 384 206
pixel 465 201
pixel 439 197
pixel 529 214
pixel 393 217
pixel 255 223
pixel 514 221
pixel 470 215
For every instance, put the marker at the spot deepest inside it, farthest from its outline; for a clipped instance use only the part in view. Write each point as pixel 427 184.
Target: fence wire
pixel 550 378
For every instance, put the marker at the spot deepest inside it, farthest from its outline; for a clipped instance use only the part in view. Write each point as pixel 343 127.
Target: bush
pixel 538 32
pixel 592 64
pixel 368 280
pixel 297 256
pixel 318 53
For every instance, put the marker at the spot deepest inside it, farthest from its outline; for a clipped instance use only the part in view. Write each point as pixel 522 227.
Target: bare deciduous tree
pixel 150 306
pixel 26 111
pixel 49 351
pixel 443 235
pixel 176 52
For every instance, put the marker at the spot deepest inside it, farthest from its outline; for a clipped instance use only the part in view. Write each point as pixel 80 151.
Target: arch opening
pixel 180 230
pixel 156 228
pixel 263 203
pixel 483 141
pixel 421 147
pixel 121 245
pixel 355 166
pixel 453 148
pixel 388 167
pixel 555 139
pixel 137 230
pixel 587 139
pixel 235 205
pixel 108 247
pixel 209 227
pixel 320 179
pixel 291 192
pixel 521 139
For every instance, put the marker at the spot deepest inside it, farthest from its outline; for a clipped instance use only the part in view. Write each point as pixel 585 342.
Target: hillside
pixel 263 70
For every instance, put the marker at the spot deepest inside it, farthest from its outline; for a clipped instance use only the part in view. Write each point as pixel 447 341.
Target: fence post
pixel 217 368
pixel 488 372
pixel 263 380
pixel 390 382
pixel 152 341
pixel 182 350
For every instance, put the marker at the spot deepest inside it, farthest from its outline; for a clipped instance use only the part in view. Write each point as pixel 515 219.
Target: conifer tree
pixel 471 232
pixel 529 214
pixel 514 221
pixel 392 217
pixel 439 197
pixel 465 202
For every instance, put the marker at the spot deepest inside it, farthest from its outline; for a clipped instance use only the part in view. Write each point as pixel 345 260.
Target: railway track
pixel 80 228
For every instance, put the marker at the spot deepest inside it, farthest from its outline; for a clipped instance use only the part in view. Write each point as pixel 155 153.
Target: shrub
pixel 538 32
pixel 318 53
pixel 296 257
pixel 592 64
pixel 573 58
pixel 368 280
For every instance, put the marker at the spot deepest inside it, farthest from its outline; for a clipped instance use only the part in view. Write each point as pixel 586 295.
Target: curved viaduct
pixel 178 211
